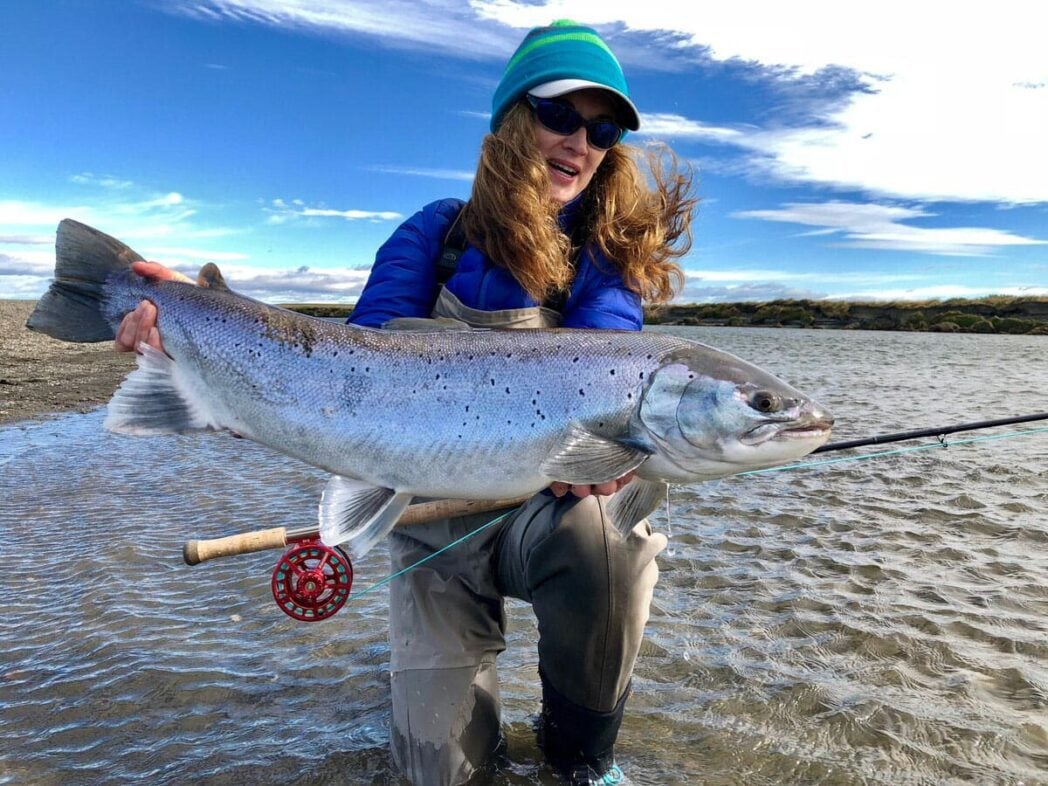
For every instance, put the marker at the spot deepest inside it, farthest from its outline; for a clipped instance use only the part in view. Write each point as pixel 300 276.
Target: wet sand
pixel 40 376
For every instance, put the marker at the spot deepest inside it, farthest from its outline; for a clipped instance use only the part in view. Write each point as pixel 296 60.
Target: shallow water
pixel 880 621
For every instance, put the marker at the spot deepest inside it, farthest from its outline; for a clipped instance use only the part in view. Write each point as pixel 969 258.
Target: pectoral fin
pixel 633 502
pixel 358 513
pixel 585 457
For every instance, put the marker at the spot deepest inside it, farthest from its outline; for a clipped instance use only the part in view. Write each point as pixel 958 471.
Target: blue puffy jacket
pixel 403 279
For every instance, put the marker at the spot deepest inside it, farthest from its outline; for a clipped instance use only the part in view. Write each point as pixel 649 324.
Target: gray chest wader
pixel 590 589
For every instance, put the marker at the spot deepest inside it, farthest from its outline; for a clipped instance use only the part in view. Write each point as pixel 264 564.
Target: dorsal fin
pixel 210 277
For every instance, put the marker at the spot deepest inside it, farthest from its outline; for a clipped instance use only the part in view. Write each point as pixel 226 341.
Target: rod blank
pixel 900 436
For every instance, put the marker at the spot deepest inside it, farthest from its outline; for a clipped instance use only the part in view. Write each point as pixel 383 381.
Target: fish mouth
pixel 813 429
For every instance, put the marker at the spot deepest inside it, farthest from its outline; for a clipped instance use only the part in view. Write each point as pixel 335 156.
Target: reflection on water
pixel 879 622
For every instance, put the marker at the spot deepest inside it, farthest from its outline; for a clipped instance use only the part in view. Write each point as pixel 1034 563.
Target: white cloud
pixel 671 126
pixel 439 174
pixel 34 214
pixel 171 252
pixel 26 240
pixel 105 181
pixel 281 211
pixel 941 292
pixel 876 226
pixel 954 110
pixel 439 24
pixel 738 276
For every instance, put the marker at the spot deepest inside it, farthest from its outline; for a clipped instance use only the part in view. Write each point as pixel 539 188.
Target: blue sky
pixel 848 150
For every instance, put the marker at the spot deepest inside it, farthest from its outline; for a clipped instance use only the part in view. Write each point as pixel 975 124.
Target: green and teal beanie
pixel 558 59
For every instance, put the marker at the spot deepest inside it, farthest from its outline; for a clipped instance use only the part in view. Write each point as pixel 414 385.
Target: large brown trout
pixel 394 414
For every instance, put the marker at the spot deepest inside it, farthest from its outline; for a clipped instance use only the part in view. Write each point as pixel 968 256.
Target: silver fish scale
pixel 444 413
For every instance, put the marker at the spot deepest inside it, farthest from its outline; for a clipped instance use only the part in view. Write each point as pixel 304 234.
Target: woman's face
pixel 570 160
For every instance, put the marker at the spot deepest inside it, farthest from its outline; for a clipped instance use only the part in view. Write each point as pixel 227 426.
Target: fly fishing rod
pixel 312 581
pixel 899 436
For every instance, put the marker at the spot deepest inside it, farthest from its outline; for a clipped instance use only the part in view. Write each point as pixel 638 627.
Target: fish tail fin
pixel 73 309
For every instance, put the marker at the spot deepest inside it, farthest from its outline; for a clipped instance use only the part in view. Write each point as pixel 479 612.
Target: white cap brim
pixel 560 87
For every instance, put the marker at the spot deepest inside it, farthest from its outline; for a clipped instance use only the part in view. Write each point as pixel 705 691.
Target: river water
pixel 882 621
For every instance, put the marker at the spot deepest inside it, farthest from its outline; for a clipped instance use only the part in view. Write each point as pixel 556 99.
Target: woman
pixel 561 230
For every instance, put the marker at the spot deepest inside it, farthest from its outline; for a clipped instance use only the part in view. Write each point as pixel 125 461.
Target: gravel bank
pixel 40 376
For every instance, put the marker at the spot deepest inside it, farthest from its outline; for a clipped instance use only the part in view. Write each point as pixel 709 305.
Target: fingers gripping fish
pixel 394 414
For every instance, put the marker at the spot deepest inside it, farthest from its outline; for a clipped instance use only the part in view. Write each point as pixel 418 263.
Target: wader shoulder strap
pixel 455 245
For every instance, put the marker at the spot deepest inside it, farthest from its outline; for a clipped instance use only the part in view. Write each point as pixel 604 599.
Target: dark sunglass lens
pixel 563 119
pixel 603 134
pixel 558 118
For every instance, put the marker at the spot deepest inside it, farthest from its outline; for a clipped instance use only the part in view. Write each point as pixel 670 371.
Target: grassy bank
pixel 985 315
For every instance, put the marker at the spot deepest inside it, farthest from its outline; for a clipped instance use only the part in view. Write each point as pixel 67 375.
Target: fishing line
pixel 942 443
pixel 427 558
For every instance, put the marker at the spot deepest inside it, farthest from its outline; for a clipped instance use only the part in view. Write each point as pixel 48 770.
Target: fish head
pixel 706 414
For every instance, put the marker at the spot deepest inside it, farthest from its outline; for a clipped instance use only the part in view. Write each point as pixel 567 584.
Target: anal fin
pixel 358 513
pixel 633 502
pixel 152 400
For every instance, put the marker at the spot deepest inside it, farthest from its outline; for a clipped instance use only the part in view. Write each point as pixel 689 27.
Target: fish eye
pixel 765 401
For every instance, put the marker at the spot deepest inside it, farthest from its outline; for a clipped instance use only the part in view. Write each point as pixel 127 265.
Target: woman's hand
pixel 139 327
pixel 603 489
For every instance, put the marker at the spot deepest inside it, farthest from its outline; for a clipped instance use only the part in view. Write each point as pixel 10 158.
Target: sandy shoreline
pixel 40 376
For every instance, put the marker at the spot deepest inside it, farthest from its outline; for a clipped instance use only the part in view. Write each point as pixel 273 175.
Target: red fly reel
pixel 312 581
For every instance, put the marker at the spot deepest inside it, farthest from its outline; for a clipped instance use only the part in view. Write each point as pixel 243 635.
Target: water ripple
pixel 880 622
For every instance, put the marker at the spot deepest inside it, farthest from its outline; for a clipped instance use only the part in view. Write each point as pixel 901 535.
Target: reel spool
pixel 312 581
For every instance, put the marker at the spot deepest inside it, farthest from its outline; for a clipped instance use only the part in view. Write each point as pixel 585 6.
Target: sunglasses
pixel 561 118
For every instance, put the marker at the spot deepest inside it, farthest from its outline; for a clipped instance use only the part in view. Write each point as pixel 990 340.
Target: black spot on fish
pixel 582 392
pixel 575 359
pixel 467 408
pixel 613 372
pixel 507 390
pixel 642 375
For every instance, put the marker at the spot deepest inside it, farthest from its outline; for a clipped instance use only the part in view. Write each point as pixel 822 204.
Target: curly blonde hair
pixel 642 227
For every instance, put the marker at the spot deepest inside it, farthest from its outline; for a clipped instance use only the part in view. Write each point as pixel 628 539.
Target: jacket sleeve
pixel 600 299
pixel 403 280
